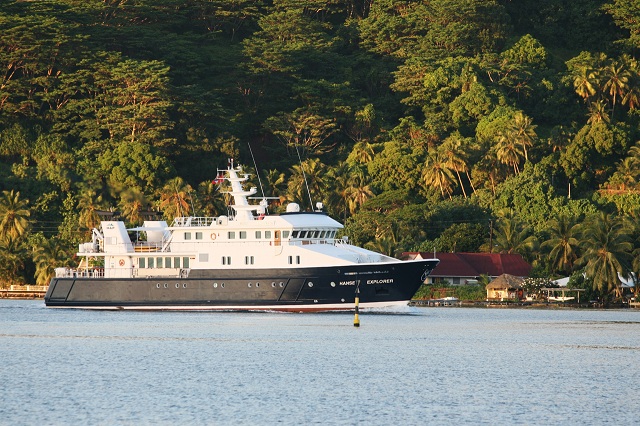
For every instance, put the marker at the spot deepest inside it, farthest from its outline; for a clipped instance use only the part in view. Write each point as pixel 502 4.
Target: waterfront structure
pixel 467 268
pixel 505 287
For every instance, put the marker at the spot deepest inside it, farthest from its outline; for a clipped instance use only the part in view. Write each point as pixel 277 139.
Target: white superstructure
pixel 248 239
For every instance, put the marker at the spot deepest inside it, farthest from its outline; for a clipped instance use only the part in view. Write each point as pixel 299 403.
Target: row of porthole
pixel 166 285
pixel 257 284
pixel 273 284
pixel 215 285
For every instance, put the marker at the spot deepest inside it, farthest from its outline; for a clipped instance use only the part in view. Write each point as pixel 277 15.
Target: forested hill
pixel 420 124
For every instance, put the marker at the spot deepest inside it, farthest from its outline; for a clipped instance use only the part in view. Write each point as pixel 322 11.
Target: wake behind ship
pixel 246 261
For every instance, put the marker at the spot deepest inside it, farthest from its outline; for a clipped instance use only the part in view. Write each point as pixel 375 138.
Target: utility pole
pixel 490 235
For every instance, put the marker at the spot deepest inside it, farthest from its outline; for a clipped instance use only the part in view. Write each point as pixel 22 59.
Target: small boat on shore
pixel 249 260
pixel 560 298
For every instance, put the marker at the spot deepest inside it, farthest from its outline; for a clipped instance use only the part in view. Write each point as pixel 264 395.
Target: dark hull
pixel 299 289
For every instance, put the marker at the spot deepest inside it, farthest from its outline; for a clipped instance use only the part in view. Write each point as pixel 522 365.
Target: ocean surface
pixel 411 366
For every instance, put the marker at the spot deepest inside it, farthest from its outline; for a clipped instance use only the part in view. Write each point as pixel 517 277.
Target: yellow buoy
pixel 356 319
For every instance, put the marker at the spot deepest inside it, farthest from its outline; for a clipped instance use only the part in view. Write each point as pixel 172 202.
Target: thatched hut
pixel 505 287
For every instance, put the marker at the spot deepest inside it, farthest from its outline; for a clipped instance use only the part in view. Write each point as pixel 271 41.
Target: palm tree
pixel 360 191
pixel 606 250
pixel 436 173
pixel 634 152
pixel 12 256
pixel 456 157
pixel 132 203
pixel 598 113
pixel 47 256
pixel 524 132
pixel 14 215
pixel 307 181
pixel 386 240
pixel 210 201
pixel 628 172
pixel 560 138
pixel 508 151
pixel 512 237
pixel 562 243
pixel 488 169
pixel 175 198
pixel 385 245
pixel 89 203
pixel 585 82
pixel 273 183
pixel 617 79
pixel 361 153
pixel 631 97
pixel 339 180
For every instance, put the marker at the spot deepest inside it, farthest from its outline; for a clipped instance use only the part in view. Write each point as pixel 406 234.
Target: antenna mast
pixel 257 172
pixel 305 178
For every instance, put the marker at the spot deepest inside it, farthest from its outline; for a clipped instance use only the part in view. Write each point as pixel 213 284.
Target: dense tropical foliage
pixel 449 125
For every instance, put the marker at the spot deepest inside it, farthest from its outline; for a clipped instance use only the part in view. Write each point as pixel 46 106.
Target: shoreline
pixel 424 303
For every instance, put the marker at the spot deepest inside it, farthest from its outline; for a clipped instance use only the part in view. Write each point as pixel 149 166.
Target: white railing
pixel 193 221
pixel 74 273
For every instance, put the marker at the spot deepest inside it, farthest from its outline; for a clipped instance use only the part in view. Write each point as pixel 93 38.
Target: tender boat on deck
pixel 247 261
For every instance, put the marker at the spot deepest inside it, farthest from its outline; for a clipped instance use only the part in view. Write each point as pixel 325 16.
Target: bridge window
pixel 285 234
pixel 159 262
pixel 185 262
pixel 176 262
pixel 295 234
pixel 141 262
pixel 151 263
pixel 267 234
pixel 167 262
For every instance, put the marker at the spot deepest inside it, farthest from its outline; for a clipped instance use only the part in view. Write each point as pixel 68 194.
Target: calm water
pixel 417 366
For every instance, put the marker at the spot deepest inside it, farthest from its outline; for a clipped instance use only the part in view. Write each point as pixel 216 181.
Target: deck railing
pixel 74 273
pixel 193 221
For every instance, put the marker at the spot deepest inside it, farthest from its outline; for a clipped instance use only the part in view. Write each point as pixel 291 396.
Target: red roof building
pixel 466 268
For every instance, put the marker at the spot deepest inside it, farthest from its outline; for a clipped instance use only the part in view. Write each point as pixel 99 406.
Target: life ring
pixel 121 262
pixel 213 235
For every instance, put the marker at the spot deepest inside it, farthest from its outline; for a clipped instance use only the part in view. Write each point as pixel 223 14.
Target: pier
pixel 23 292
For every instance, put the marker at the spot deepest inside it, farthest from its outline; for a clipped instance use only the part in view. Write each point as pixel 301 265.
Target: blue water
pixel 414 366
